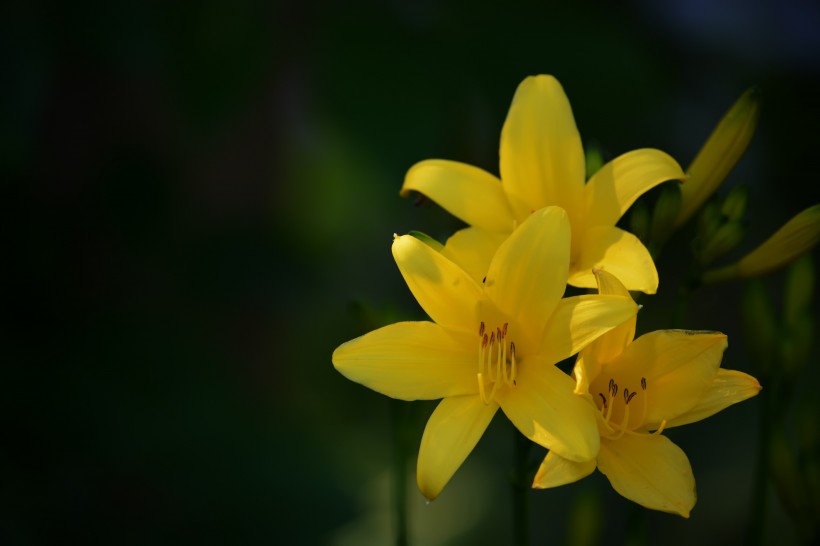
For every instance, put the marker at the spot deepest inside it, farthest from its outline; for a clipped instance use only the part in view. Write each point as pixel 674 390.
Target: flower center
pixel 496 365
pixel 615 410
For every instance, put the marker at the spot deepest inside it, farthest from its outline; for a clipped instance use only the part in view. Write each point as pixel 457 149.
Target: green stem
pixel 521 490
pixel 757 527
pixel 637 526
pixel 400 417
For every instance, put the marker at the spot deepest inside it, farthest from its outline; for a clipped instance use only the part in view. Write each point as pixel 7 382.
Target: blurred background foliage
pixel 198 206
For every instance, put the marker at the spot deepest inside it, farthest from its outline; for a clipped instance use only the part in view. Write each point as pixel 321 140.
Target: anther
pixel 626 396
pixel 504 331
pixel 498 334
pixel 631 396
pixel 614 389
pixel 643 383
pixel 611 383
pixel 603 398
pixel 484 341
pixel 481 329
pixel 492 339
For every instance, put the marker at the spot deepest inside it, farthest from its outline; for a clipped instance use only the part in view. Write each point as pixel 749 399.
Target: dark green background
pixel 195 196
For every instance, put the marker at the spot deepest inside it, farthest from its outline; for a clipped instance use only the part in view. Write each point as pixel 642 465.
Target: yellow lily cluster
pixel 500 321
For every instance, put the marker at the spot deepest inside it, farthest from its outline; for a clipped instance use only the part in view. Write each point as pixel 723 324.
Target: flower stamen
pixel 492 353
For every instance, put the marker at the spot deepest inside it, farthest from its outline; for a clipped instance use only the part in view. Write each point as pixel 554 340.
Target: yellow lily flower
pixel 663 379
pixel 491 345
pixel 541 164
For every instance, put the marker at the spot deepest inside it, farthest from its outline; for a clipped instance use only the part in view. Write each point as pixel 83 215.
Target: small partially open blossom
pixel 542 163
pixel 640 388
pixel 492 344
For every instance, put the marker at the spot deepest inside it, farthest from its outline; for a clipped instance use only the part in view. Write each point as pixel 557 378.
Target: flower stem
pixel 400 417
pixel 637 526
pixel 521 490
pixel 757 526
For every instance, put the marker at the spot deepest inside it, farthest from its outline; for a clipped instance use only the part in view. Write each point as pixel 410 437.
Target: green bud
pixel 734 206
pixel 709 220
pixel 795 346
pixel 808 426
pixel 759 325
pixel 784 472
pixel 594 159
pixel 725 239
pixel 799 289
pixel 426 239
pixel 639 220
pixel 665 212
pixel 719 154
pixel 585 517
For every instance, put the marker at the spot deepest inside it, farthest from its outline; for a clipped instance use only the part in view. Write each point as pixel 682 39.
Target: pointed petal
pixel 542 160
pixel 410 361
pixel 544 408
pixel 728 387
pixel 443 289
pixel 452 432
pixel 613 189
pixel 472 249
pixel 650 470
pixel 555 471
pixel 678 365
pixel 528 273
pixel 610 345
pixel 578 320
pixel 470 193
pixel 617 252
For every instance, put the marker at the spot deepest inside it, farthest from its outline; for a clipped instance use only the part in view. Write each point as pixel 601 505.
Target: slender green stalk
pixel 757 527
pixel 521 490
pixel 400 417
pixel 637 525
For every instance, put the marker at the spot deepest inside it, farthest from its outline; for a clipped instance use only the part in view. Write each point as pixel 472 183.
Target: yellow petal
pixel 555 471
pixel 618 252
pixel 444 290
pixel 578 320
pixel 727 388
pixel 450 435
pixel 472 249
pixel 613 189
pixel 542 160
pixel 678 365
pixel 610 345
pixel 470 193
pixel 410 361
pixel 650 470
pixel 544 408
pixel 528 273
pixel 797 236
pixel 720 153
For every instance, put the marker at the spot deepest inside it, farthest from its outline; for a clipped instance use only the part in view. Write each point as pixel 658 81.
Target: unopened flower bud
pixel 720 153
pixel 665 212
pixel 799 289
pixel 734 206
pixel 783 469
pixel 759 326
pixel 796 237
pixel 639 220
pixel 725 239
